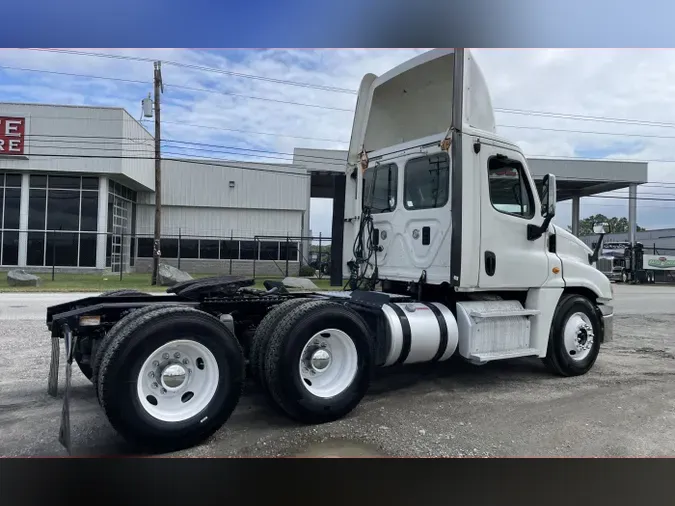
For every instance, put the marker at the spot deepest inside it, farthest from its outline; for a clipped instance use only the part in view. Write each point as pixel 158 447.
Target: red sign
pixel 12 132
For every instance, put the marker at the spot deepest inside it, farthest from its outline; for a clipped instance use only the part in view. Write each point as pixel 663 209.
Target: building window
pixel 189 248
pixel 10 200
pixel 510 192
pixel 269 250
pixel 427 182
pixel 208 248
pixel 61 209
pixel 380 186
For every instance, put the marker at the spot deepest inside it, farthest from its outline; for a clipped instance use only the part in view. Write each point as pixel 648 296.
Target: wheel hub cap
pixel 321 360
pixel 328 363
pixel 173 376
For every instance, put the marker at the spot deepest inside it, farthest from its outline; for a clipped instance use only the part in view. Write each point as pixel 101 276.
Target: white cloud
pixel 609 83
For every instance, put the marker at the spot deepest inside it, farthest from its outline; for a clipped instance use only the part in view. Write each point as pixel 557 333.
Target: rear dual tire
pixel 145 401
pixel 317 361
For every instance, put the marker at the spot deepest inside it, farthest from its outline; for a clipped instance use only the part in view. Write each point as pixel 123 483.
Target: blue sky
pixel 593 82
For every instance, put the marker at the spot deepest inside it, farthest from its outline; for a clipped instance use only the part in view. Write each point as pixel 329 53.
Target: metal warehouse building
pixel 77 191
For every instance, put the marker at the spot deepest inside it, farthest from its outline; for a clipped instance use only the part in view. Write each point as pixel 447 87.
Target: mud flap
pixel 64 430
pixel 53 382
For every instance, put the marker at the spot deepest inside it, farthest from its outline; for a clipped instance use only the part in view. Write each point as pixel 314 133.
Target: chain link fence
pixel 57 251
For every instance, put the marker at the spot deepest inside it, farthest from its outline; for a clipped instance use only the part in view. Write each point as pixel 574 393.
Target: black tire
pixel 263 334
pixel 103 343
pixel 283 354
pixel 557 358
pixel 125 355
pixel 122 292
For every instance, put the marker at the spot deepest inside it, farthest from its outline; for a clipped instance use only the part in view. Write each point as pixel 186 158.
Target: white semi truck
pixel 449 250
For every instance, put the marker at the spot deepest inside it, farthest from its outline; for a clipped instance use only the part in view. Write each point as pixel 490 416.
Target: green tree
pixel 616 225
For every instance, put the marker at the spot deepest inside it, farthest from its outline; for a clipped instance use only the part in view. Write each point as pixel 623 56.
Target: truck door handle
pixel 490 263
pixel 426 236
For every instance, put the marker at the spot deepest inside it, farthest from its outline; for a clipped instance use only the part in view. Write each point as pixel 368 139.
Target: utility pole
pixel 156 253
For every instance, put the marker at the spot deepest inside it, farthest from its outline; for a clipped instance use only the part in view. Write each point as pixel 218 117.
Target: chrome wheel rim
pixel 578 336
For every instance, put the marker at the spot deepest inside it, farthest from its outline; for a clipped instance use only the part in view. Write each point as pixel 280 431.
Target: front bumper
pixel 607 313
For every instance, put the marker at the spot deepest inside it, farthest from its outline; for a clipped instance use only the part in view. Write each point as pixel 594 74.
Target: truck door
pixel 509 203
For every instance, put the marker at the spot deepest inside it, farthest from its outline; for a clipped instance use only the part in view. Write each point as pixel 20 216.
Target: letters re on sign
pixel 12 131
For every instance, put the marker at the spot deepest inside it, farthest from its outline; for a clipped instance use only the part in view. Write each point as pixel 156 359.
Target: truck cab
pixel 438 203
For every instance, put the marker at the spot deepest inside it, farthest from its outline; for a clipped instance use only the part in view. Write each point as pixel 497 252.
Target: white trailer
pixel 449 250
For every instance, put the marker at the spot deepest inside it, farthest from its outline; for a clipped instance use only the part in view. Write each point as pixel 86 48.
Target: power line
pixel 620 134
pixel 201 161
pixel 71 74
pixel 188 88
pixel 580 117
pixel 227 93
pixel 204 69
pixel 341 161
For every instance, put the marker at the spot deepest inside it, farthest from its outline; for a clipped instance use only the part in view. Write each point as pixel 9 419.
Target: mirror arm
pixel 534 232
pixel 593 257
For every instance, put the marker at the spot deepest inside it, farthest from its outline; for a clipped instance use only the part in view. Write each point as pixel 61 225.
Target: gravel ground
pixel 624 407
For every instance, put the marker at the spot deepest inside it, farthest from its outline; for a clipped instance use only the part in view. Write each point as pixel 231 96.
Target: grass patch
pixel 105 282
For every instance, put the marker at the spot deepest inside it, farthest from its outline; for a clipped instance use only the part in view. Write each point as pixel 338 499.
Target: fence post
pixel 287 246
pixel 319 259
pixel 255 250
pixel 231 241
pixel 179 237
pixel 53 253
pixel 121 254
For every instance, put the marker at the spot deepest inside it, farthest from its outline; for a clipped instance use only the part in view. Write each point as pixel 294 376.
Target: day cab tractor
pixel 449 250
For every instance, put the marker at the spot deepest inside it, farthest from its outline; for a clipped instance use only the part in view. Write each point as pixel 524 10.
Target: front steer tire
pixel 281 365
pixel 558 360
pixel 121 366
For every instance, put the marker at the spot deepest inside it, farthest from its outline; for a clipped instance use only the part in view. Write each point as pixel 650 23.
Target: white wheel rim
pixel 177 381
pixel 328 363
pixel 578 336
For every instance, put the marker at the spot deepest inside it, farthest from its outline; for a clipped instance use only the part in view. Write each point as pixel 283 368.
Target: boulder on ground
pixel 19 277
pixel 303 283
pixel 169 275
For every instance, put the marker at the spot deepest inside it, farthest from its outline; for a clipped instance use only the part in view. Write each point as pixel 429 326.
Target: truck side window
pixel 426 182
pixel 510 192
pixel 380 185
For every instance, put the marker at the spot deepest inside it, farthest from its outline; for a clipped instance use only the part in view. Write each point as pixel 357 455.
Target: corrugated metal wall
pixel 219 222
pixel 256 186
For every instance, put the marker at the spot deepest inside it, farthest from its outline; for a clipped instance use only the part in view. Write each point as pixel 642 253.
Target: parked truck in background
pixel 624 263
pixel 449 250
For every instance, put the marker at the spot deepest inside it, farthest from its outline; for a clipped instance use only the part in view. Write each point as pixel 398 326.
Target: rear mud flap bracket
pixel 64 430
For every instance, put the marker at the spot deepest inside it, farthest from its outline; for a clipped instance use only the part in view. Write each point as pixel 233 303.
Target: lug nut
pixel 165 356
pixel 189 371
pixel 155 363
pixel 186 361
pixel 151 374
pixel 176 355
pixel 154 385
pixel 162 390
